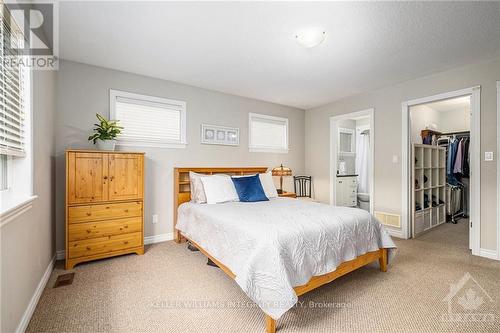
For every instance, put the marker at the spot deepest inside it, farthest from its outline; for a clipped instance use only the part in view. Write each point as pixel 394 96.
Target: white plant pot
pixel 106 145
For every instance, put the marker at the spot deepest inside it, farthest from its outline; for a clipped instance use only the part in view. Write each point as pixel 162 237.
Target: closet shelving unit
pixel 428 162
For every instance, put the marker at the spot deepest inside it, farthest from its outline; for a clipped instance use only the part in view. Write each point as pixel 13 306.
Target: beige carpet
pixel 139 294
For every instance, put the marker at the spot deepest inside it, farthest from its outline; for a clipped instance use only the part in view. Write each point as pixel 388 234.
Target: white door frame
pixel 498 170
pixel 475 165
pixel 333 151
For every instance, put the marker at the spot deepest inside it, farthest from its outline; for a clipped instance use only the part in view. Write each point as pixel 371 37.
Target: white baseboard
pixel 490 254
pixel 25 319
pixel 61 254
pixel 395 233
pixel 158 238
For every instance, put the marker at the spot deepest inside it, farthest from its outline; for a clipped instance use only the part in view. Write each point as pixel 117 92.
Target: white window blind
pixel 12 104
pixel 268 133
pixel 147 120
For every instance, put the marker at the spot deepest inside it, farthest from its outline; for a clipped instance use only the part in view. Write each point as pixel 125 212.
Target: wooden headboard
pixel 182 192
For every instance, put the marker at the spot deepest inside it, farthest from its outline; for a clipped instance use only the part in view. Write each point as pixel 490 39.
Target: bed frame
pixel 182 194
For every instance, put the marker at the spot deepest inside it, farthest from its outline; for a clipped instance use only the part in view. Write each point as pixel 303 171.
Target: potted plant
pixel 105 133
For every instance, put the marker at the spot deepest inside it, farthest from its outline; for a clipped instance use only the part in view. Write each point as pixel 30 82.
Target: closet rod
pixel 454 133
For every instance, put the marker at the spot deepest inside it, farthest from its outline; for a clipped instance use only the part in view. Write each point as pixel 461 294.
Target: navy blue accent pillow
pixel 249 189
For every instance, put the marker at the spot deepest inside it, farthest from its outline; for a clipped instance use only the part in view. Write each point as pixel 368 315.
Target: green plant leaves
pixel 106 130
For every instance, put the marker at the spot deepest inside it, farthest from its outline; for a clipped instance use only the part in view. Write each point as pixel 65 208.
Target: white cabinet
pixel 346 191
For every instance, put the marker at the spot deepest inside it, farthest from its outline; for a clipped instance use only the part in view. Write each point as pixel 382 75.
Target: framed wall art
pixel 220 135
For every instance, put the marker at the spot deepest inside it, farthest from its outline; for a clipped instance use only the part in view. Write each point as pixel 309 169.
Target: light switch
pixel 488 156
pixel 395 159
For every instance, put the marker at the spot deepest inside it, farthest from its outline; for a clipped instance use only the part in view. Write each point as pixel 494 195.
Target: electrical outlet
pixel 488 156
pixel 155 218
pixel 395 159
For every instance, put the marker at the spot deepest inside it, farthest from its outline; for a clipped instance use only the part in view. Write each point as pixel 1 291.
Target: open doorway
pixel 442 172
pixel 351 160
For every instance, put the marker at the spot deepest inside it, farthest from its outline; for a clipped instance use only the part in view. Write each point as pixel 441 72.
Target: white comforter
pixel 273 246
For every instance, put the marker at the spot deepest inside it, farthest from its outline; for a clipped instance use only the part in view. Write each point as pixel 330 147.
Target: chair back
pixel 302 186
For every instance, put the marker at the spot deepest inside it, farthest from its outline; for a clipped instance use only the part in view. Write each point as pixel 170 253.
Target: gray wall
pixel 387 103
pixel 420 117
pixel 83 90
pixel 455 120
pixel 28 242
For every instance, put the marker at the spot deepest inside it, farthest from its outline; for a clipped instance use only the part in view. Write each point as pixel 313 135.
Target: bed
pixel 279 249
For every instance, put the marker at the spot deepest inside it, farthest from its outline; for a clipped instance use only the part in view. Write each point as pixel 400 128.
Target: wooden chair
pixel 302 186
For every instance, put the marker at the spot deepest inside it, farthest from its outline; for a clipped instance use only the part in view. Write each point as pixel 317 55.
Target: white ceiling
pixel 248 49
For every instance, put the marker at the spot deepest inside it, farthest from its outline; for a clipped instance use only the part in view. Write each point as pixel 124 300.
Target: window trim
pixel 260 149
pixel 19 199
pixel 114 94
pixel 17 209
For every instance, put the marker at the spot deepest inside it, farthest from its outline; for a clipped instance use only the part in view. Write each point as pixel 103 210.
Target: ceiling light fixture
pixel 310 37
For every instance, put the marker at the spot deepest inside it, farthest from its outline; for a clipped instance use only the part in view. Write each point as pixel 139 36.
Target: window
pixel 4 180
pixel 15 123
pixel 12 112
pixel 149 121
pixel 268 133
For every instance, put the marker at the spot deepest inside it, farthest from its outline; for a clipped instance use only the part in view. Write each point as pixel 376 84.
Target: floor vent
pixel 64 280
pixel 391 220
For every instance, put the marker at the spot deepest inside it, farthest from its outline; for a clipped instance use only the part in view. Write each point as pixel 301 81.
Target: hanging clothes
pixel 466 166
pixel 457 166
pixel 457 173
pixel 450 158
pixel 452 153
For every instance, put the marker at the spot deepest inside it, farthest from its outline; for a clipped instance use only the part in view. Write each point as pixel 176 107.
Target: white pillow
pixel 266 179
pixel 219 188
pixel 197 191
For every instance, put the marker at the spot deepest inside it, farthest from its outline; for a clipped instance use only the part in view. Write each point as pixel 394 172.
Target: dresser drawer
pixel 90 213
pixel 102 245
pixel 80 231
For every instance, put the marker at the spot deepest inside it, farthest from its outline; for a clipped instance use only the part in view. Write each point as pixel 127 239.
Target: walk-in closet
pixel 440 136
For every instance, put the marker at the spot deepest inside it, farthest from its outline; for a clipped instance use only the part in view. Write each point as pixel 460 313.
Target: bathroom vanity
pixel 346 190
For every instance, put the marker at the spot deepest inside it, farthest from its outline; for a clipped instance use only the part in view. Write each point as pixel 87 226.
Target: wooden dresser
pixel 104 205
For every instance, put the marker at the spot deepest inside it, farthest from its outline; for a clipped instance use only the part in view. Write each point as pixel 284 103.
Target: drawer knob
pixel 89 231
pixel 126 242
pixel 126 210
pixel 88 248
pixel 89 214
